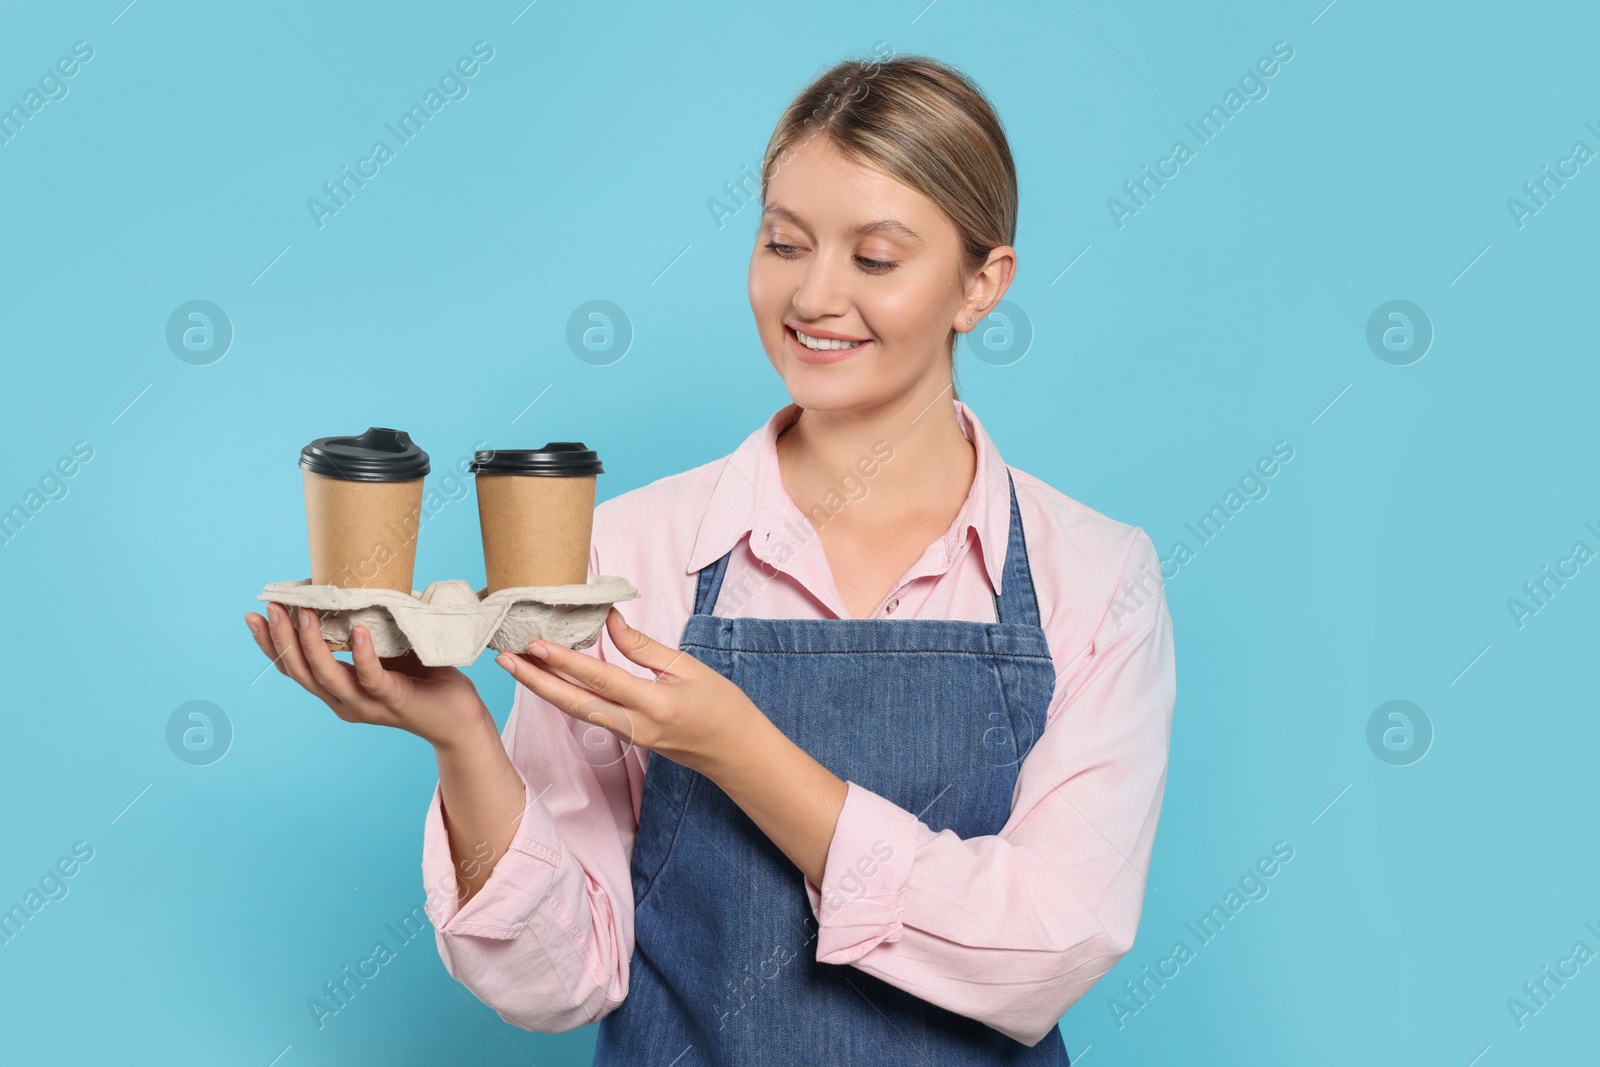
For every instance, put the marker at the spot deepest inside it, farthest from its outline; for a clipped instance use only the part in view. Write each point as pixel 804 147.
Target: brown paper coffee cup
pixel 364 509
pixel 536 514
pixel 363 534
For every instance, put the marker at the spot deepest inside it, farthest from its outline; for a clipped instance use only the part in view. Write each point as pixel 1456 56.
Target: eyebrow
pixel 889 226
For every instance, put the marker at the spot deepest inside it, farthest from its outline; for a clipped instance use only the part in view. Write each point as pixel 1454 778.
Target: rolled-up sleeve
pixel 1012 929
pixel 547 939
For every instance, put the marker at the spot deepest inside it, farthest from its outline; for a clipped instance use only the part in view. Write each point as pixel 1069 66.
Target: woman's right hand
pixel 438 704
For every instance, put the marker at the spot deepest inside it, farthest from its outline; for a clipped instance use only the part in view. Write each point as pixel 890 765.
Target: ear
pixel 986 287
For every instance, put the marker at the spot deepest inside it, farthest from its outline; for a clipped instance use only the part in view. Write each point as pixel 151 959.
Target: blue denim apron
pixel 935 715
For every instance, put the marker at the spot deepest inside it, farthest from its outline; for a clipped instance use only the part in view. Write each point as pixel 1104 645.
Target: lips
pixel 813 355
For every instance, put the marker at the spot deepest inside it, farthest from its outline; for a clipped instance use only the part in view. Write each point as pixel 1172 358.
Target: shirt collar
pixel 749 494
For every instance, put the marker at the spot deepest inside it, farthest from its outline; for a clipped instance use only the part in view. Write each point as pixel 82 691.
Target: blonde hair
pixel 926 125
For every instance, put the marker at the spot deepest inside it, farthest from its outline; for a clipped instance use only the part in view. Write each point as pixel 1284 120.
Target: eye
pixel 876 266
pixel 786 251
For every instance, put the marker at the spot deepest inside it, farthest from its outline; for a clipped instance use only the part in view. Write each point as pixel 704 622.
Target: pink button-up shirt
pixel 1009 929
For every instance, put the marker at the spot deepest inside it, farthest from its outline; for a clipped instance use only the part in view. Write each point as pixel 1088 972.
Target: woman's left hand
pixel 689 712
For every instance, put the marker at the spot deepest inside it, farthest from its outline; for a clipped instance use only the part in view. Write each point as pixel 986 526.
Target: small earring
pixel 969 320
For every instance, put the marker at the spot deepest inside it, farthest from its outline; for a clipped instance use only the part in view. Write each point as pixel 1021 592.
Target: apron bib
pixel 935 715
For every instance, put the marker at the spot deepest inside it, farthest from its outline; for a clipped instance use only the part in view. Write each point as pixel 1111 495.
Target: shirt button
pixel 888 609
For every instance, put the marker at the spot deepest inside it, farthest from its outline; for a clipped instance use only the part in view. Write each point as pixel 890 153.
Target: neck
pixel 931 465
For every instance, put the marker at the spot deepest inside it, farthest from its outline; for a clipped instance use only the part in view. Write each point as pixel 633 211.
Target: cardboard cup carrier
pixel 363 513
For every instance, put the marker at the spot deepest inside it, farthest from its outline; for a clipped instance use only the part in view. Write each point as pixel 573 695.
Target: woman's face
pixel 845 253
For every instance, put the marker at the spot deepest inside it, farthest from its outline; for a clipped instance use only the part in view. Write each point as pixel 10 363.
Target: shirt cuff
pixel 516 886
pixel 864 881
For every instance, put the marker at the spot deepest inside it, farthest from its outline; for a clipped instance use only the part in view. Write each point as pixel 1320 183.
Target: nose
pixel 824 288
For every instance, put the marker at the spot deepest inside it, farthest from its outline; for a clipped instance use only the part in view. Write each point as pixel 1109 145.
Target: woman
pixel 883 785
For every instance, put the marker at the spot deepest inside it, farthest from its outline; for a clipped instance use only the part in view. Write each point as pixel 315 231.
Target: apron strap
pixel 1016 602
pixel 709 585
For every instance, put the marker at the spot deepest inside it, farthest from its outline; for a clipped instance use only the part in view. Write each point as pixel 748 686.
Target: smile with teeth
pixel 823 344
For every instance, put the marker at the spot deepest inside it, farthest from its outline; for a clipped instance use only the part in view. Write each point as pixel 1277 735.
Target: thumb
pixel 389 688
pixel 637 645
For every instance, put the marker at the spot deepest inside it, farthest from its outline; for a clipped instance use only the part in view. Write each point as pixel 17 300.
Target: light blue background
pixel 1228 314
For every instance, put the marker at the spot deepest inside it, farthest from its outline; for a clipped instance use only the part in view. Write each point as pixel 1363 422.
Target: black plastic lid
pixel 558 458
pixel 379 455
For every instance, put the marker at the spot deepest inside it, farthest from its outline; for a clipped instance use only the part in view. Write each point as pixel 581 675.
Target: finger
pixel 290 651
pixel 564 695
pixel 602 679
pixel 539 664
pixel 382 685
pixel 335 677
pixel 639 646
pixel 263 639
